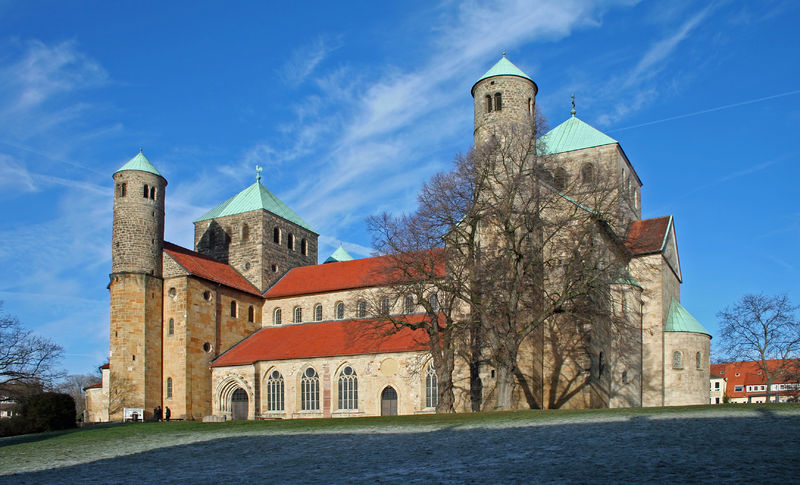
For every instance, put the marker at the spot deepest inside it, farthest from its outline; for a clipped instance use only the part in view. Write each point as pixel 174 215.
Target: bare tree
pixel 73 385
pixel 761 328
pixel 24 356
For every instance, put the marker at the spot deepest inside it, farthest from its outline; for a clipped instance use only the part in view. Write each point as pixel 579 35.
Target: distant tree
pixel 24 356
pixel 48 411
pixel 73 385
pixel 761 328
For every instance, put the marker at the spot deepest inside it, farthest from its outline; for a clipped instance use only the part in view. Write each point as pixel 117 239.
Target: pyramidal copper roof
pixel 680 320
pixel 340 254
pixel 255 197
pixel 503 67
pixel 574 134
pixel 140 163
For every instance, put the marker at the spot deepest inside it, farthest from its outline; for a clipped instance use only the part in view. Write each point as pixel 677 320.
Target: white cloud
pixel 306 59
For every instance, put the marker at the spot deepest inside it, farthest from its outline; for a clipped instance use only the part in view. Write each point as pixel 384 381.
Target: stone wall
pixel 688 383
pixel 138 227
pixel 518 104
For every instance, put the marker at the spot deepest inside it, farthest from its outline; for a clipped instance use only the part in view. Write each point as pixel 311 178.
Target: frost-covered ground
pixel 732 444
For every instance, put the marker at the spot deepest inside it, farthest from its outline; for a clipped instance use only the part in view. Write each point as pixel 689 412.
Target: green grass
pixel 37 451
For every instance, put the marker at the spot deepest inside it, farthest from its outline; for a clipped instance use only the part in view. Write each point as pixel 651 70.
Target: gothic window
pixel 587 173
pixel 385 306
pixel 298 314
pixel 677 360
pixel 309 390
pixel 233 309
pixel 339 311
pixel 304 247
pixel 699 359
pixel 348 389
pixel 318 312
pixel 153 193
pixel 275 391
pixel 276 235
pixel 290 242
pixel 245 232
pixel 362 309
pixel 431 388
pixel 171 329
pixel 498 101
pixel 434 299
pixel 408 304
pixel 169 387
pixel 251 314
pixel 488 103
pixel 276 316
pixel 146 191
pixel 560 179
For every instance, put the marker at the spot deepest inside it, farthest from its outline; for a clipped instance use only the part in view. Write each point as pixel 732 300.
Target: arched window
pixel 304 247
pixel 251 314
pixel 318 312
pixel 677 360
pixel 245 232
pixel 339 311
pixel 233 309
pixel 121 189
pixel 385 306
pixel 488 103
pixel 171 329
pixel 146 191
pixel 276 235
pixel 348 389
pixel 408 304
pixel 362 309
pixel 434 299
pixel 290 242
pixel 153 193
pixel 431 388
pixel 560 178
pixel 276 316
pixel 498 101
pixel 275 391
pixel 298 314
pixel 699 359
pixel 587 173
pixel 169 387
pixel 309 390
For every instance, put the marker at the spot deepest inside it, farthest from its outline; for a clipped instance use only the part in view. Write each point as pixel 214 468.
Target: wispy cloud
pixel 306 59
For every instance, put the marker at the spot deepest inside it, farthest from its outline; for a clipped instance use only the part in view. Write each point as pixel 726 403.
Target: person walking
pixel 168 413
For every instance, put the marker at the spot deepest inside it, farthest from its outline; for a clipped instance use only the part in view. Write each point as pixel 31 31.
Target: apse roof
pixel 680 320
pixel 574 134
pixel 141 163
pixel 253 198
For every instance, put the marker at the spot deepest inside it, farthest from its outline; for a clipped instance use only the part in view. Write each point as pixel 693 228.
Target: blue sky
pixel 351 106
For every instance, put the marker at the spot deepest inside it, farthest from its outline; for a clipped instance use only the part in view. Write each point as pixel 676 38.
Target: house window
pixel 304 247
pixel 171 329
pixel 169 387
pixel 290 242
pixel 233 309
pixel 298 314
pixel 716 385
pixel 339 311
pixel 488 103
pixel 348 389
pixel 498 101
pixel 738 388
pixel 385 306
pixel 276 316
pixel 318 312
pixel 434 299
pixel 699 359
pixel 276 235
pixel 431 388
pixel 677 360
pixel 309 390
pixel 275 392
pixel 408 304
pixel 251 314
pixel 362 309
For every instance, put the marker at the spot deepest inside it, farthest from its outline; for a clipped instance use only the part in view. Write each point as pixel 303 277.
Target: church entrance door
pixel 389 402
pixel 239 404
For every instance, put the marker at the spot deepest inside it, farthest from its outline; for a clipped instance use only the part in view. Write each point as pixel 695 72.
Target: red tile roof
pixel 105 366
pixel 647 236
pixel 95 385
pixel 749 374
pixel 346 275
pixel 326 339
pixel 209 269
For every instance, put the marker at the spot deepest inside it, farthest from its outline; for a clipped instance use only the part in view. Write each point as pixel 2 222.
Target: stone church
pixel 248 325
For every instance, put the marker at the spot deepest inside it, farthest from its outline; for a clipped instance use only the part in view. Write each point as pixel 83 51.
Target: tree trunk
pixel 505 381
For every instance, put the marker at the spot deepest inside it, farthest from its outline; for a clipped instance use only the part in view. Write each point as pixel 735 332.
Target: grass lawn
pixel 78 451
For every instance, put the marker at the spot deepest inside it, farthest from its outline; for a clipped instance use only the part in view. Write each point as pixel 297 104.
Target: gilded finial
pixel 258 173
pixel 572 111
pixel 504 53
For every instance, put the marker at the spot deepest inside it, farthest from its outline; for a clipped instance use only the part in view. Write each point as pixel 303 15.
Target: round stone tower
pixel 503 97
pixel 138 232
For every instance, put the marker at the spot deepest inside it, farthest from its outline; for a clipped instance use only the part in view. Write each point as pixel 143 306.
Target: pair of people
pixel 157 414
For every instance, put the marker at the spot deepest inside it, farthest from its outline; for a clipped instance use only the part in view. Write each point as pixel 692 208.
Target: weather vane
pixel 573 105
pixel 258 173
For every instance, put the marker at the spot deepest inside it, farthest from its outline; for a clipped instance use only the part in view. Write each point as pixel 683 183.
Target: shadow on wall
pixel 215 242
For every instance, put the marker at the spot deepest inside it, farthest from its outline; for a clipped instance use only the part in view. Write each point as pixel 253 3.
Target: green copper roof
pixel 339 255
pixel 141 163
pixel 679 320
pixel 253 198
pixel 574 134
pixel 627 279
pixel 504 67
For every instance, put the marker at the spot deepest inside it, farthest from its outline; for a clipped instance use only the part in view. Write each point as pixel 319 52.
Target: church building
pixel 248 325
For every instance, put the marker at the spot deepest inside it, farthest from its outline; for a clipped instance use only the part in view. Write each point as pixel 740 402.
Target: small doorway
pixel 239 404
pixel 389 402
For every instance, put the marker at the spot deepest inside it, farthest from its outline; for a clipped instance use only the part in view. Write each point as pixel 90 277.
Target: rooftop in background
pixel 209 269
pixel 574 134
pixel 339 255
pixel 324 339
pixel 255 197
pixel 141 163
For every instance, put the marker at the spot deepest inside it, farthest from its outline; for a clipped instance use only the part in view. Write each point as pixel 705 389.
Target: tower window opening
pixel 587 173
pixel 276 235
pixel 274 268
pixel 171 327
pixel 290 242
pixel 121 189
pixel 146 191
pixel 488 103
pixel 153 193
pixel 530 106
pixel 251 314
pixel 245 232
pixel 304 247
pixel 233 309
pixel 498 101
